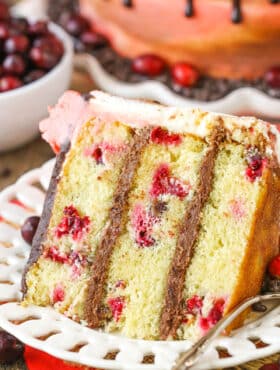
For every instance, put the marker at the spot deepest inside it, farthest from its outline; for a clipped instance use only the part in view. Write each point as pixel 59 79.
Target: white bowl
pixel 22 109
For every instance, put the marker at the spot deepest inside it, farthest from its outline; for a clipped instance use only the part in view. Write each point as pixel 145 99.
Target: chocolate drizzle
pixel 189 12
pixel 171 313
pixel 127 3
pixel 96 312
pixel 236 15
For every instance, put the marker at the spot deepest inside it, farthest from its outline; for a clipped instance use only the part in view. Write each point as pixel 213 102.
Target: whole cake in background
pixel 202 49
pixel 158 220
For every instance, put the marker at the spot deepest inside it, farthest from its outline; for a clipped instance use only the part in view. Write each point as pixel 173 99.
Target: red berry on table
pixel 38 28
pixel 274 267
pixel 4 31
pixel 29 228
pixel 148 64
pixel 272 77
pixel 4 11
pixel 9 83
pixel 10 348
pixel 16 44
pixel 14 64
pixel 184 74
pixel 76 25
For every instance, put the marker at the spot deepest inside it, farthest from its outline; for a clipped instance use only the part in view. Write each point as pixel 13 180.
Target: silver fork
pixel 188 358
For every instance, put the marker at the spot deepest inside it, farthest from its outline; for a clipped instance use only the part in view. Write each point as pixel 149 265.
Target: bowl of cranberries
pixel 35 69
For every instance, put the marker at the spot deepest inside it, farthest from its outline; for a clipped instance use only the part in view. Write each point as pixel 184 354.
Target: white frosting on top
pixel 71 111
pixel 138 114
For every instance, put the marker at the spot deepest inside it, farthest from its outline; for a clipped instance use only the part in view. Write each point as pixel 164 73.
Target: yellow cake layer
pixel 144 270
pixel 226 224
pixel 89 187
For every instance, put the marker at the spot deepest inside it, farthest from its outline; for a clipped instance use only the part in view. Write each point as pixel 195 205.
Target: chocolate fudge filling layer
pixel 40 235
pixel 95 313
pixel 171 313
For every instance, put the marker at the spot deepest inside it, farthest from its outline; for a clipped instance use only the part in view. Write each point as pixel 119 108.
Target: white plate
pixel 245 100
pixel 46 330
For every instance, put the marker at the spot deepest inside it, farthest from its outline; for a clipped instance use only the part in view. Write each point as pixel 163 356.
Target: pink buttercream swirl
pixel 71 111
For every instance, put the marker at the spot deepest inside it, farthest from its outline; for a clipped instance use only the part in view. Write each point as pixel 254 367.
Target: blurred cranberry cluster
pixel 28 50
pixel 85 39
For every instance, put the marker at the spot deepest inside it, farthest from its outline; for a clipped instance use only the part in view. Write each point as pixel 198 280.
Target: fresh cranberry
pixel 50 43
pixel 76 25
pixel 10 348
pixel 33 76
pixel 148 64
pixel 72 224
pixel 142 223
pixel 29 228
pixel 9 83
pixel 214 315
pixel 54 254
pixel 73 259
pixel 4 11
pixel 162 136
pixel 19 25
pixel 117 305
pixel 194 305
pixel 16 44
pixel 14 64
pixel 216 312
pixel 4 31
pixel 97 155
pixel 43 58
pixel 38 28
pixel 92 39
pixel 256 164
pixel 58 293
pixel 164 183
pixel 274 267
pixel 272 77
pixel 184 74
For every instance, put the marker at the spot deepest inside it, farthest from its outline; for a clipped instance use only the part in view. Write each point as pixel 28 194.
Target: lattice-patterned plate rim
pixel 46 330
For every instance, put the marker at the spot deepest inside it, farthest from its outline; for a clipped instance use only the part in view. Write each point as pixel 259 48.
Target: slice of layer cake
pixel 158 220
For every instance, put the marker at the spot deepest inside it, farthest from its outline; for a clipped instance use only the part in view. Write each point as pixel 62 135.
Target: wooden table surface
pixel 13 164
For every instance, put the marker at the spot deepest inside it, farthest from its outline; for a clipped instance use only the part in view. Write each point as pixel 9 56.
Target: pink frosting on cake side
pixel 70 111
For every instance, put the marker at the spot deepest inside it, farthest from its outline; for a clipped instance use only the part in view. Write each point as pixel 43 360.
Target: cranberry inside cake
pixel 158 220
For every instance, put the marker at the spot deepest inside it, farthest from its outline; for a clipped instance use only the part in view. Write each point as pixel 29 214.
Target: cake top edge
pixel 72 110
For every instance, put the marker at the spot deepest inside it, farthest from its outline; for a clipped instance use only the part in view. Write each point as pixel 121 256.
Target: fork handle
pixel 189 357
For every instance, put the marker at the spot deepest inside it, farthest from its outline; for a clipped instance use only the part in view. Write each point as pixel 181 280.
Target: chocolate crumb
pixel 158 207
pixel 274 286
pixel 259 307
